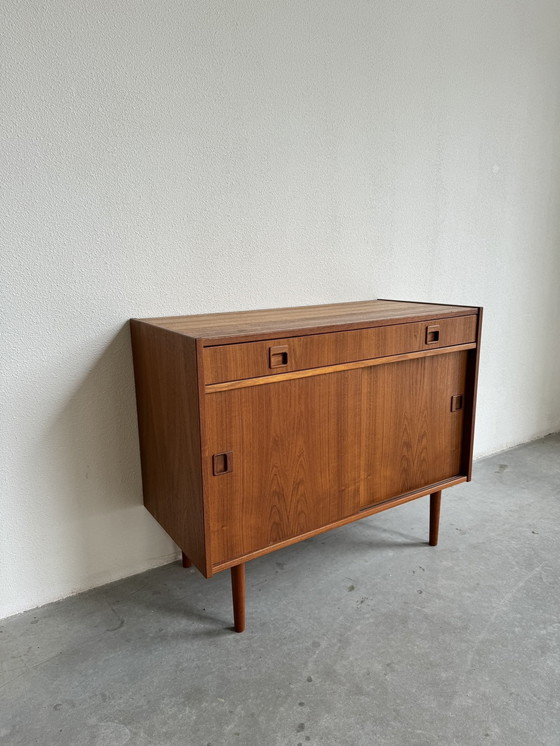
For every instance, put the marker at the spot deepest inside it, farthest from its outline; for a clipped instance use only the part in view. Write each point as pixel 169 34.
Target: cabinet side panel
pixel 165 371
pixel 470 401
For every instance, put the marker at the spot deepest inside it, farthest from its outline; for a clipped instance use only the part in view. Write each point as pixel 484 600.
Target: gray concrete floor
pixel 361 636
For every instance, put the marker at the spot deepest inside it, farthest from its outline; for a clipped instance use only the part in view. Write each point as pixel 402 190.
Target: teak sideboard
pixel 259 429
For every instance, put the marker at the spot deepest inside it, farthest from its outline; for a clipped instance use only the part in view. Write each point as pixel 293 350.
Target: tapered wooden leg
pixel 435 504
pixel 238 592
pixel 186 560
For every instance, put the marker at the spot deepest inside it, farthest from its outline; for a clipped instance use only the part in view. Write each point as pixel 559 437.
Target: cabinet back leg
pixel 186 560
pixel 435 504
pixel 238 593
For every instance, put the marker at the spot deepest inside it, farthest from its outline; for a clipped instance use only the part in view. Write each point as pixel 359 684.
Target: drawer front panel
pixel 254 359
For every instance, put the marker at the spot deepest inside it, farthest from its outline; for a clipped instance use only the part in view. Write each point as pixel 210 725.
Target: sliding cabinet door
pixel 292 460
pixel 412 424
pixel 284 458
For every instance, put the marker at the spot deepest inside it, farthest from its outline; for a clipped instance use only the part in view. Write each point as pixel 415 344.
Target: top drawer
pixel 251 359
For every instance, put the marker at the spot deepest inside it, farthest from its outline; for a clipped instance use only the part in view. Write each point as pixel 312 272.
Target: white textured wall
pixel 186 156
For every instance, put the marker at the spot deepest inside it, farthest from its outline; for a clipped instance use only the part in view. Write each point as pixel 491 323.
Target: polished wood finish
pixel 273 323
pixel 238 593
pixel 241 361
pixel 411 436
pixel 165 369
pixel 248 382
pixel 311 451
pixel 435 505
pixel 296 446
pixel 186 560
pixel 364 513
pixel 260 429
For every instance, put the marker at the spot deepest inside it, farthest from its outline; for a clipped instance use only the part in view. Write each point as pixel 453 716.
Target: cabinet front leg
pixel 238 592
pixel 435 504
pixel 186 560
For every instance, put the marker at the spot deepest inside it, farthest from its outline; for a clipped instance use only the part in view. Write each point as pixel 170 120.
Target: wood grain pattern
pixel 327 369
pixel 296 455
pixel 413 437
pixel 272 323
pixel 357 408
pixel 165 370
pixel 364 513
pixel 311 451
pixel 252 359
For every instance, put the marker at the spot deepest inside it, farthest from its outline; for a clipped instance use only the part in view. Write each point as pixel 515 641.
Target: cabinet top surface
pixel 228 327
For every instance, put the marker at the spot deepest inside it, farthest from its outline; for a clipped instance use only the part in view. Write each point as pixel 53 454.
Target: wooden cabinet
pixel 262 428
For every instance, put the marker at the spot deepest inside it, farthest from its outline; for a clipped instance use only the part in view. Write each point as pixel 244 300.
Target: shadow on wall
pixel 94 442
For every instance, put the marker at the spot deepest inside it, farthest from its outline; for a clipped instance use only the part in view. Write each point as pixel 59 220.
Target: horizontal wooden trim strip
pixel 364 513
pixel 213 388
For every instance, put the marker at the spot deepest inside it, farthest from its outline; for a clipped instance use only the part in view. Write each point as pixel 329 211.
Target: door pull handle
pixel 278 356
pixel 222 463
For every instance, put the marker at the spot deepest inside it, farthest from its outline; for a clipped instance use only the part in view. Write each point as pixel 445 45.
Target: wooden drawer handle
pixel 432 334
pixel 278 356
pixel 222 463
pixel 457 403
